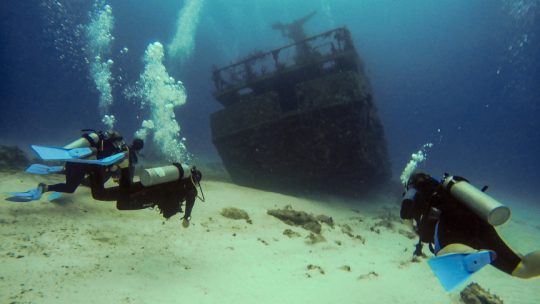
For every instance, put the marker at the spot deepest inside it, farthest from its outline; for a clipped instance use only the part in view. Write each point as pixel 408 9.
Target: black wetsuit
pixel 460 225
pixel 106 146
pixel 75 174
pixel 128 195
pixel 457 224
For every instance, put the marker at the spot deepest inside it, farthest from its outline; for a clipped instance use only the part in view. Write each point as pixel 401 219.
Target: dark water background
pixel 462 74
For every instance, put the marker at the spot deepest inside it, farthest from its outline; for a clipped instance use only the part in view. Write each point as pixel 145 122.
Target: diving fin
pixel 107 161
pixel 44 169
pixel 455 268
pixel 55 153
pixel 27 196
pixel 53 196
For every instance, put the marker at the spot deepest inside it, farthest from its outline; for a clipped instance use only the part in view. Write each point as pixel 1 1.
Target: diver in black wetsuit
pixel 167 196
pixel 165 190
pixel 105 144
pixel 443 220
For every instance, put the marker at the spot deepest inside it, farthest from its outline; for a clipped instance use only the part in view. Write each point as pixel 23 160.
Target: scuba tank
pixel 486 207
pixel 106 143
pixel 165 174
pixel 83 142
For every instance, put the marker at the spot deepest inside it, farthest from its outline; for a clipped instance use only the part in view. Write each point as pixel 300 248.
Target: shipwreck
pixel 301 118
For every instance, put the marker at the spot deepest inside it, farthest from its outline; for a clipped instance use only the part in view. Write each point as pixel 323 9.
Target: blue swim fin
pixel 455 268
pixel 55 153
pixel 27 196
pixel 107 161
pixel 44 169
pixel 53 196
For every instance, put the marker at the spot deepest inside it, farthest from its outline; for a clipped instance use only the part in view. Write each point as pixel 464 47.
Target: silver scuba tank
pixel 479 202
pixel 165 174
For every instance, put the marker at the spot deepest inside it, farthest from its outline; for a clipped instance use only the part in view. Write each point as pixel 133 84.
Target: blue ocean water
pixel 461 74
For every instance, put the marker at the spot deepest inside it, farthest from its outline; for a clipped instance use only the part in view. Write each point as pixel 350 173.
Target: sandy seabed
pixel 78 250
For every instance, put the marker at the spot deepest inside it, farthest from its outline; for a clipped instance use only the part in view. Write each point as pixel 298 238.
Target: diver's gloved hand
pixel 185 222
pixel 27 196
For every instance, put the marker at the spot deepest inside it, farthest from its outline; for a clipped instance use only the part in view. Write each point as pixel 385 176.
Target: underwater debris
pixel 326 219
pixel 360 238
pixel 346 229
pixel 345 268
pixel 370 275
pixel 376 230
pixel 474 294
pixel 314 239
pixel 262 241
pixel 408 234
pixel 297 218
pixel 316 268
pixel 387 219
pixel 357 218
pixel 12 158
pixel 384 223
pixel 414 259
pixel 236 214
pixel 290 233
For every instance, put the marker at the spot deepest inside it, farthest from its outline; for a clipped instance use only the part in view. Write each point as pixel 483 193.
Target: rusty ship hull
pixel 303 125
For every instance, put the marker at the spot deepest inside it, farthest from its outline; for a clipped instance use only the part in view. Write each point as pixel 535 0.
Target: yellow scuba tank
pixel 83 142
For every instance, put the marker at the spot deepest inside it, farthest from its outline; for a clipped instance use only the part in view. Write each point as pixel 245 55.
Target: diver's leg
pixel 134 197
pixel 190 202
pixel 97 186
pixel 507 259
pixel 131 196
pixel 529 266
pixel 454 238
pixel 477 235
pixel 74 176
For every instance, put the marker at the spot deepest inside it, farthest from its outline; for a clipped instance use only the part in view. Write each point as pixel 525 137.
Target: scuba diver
pixel 101 155
pixel 101 145
pixel 164 187
pixel 456 219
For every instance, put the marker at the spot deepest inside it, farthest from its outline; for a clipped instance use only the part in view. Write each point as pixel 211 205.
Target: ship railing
pixel 261 65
